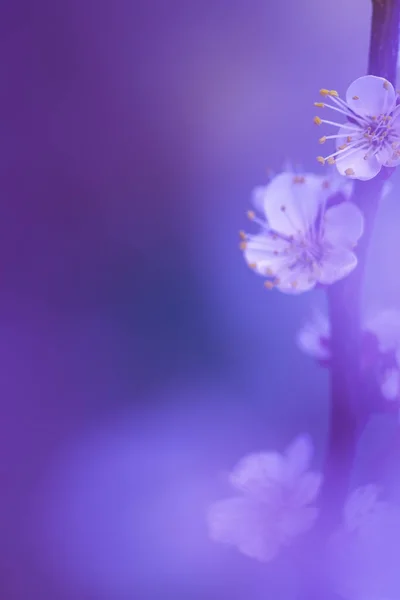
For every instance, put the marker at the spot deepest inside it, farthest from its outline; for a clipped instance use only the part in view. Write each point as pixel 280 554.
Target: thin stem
pixel 348 416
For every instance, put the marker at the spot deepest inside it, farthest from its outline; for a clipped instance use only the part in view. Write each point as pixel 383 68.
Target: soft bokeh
pixel 140 357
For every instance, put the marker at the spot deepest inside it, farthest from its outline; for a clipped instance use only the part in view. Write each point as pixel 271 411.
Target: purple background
pixel 140 358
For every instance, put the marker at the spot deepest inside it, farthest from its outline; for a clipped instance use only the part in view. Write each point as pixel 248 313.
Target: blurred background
pixel 140 357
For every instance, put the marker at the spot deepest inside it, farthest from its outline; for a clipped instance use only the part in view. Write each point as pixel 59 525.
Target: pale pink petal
pixel 310 335
pixel 386 326
pixel 343 225
pixel 360 505
pixel 390 386
pixel 297 522
pixel 292 207
pixel 386 155
pixel 371 96
pixel 295 280
pixel 298 455
pixel 337 183
pixel 307 488
pixel 256 473
pixel 338 263
pixel 246 525
pixel 355 166
pixel 265 254
pixel 258 198
pixel 387 186
pixel 309 341
pixel 394 161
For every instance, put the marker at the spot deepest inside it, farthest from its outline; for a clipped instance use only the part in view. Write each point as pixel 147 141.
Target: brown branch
pixel 348 415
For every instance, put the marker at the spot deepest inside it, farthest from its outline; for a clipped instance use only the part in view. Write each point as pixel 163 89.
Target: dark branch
pixel 348 414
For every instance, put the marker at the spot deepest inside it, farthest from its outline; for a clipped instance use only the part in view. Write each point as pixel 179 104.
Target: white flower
pixel 313 339
pixel 386 326
pixel 301 242
pixel 370 138
pixel 274 505
pixel 365 550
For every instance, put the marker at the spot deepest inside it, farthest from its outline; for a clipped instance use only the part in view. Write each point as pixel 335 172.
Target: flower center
pixel 370 134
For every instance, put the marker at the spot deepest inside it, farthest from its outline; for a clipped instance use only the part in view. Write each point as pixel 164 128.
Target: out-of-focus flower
pixel 275 501
pixel 364 551
pixel 314 339
pixel 370 138
pixel 386 326
pixel 302 242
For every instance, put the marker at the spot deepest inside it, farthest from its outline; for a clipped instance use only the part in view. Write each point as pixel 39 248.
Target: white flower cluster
pixel 275 503
pixel 313 339
pixel 369 139
pixel 303 241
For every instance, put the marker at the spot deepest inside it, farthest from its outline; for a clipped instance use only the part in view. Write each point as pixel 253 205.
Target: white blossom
pixel 314 336
pixel 313 339
pixel 365 550
pixel 302 242
pixel 370 138
pixel 273 504
pixel 386 326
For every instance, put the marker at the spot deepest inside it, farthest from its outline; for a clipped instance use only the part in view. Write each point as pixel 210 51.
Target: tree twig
pixel 348 415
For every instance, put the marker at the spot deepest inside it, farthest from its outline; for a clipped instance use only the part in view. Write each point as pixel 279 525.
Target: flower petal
pixel 258 198
pixel 371 96
pixel 243 523
pixel 298 455
pixel 390 386
pixel 355 166
pixel 292 207
pixel 360 504
pixel 295 281
pixel 310 335
pixel 256 473
pixel 344 224
pixel 338 263
pixel 307 488
pixel 386 326
pixel 297 521
pixel 338 184
pixel 265 254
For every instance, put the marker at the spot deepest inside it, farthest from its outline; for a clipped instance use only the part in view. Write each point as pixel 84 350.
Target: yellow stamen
pixel 243 245
pixel 319 104
pixel 356 98
pixel 317 121
pixel 386 84
pixel 251 215
pixel 324 92
pixel 322 139
pixel 330 160
pixel 242 235
pixel 349 172
pixel 321 160
pixel 348 139
pixel 269 285
pixel 253 265
pixel 334 93
pixel 269 271
pixel 342 147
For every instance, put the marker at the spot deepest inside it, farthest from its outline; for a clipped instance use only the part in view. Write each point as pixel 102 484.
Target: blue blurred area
pixel 141 358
